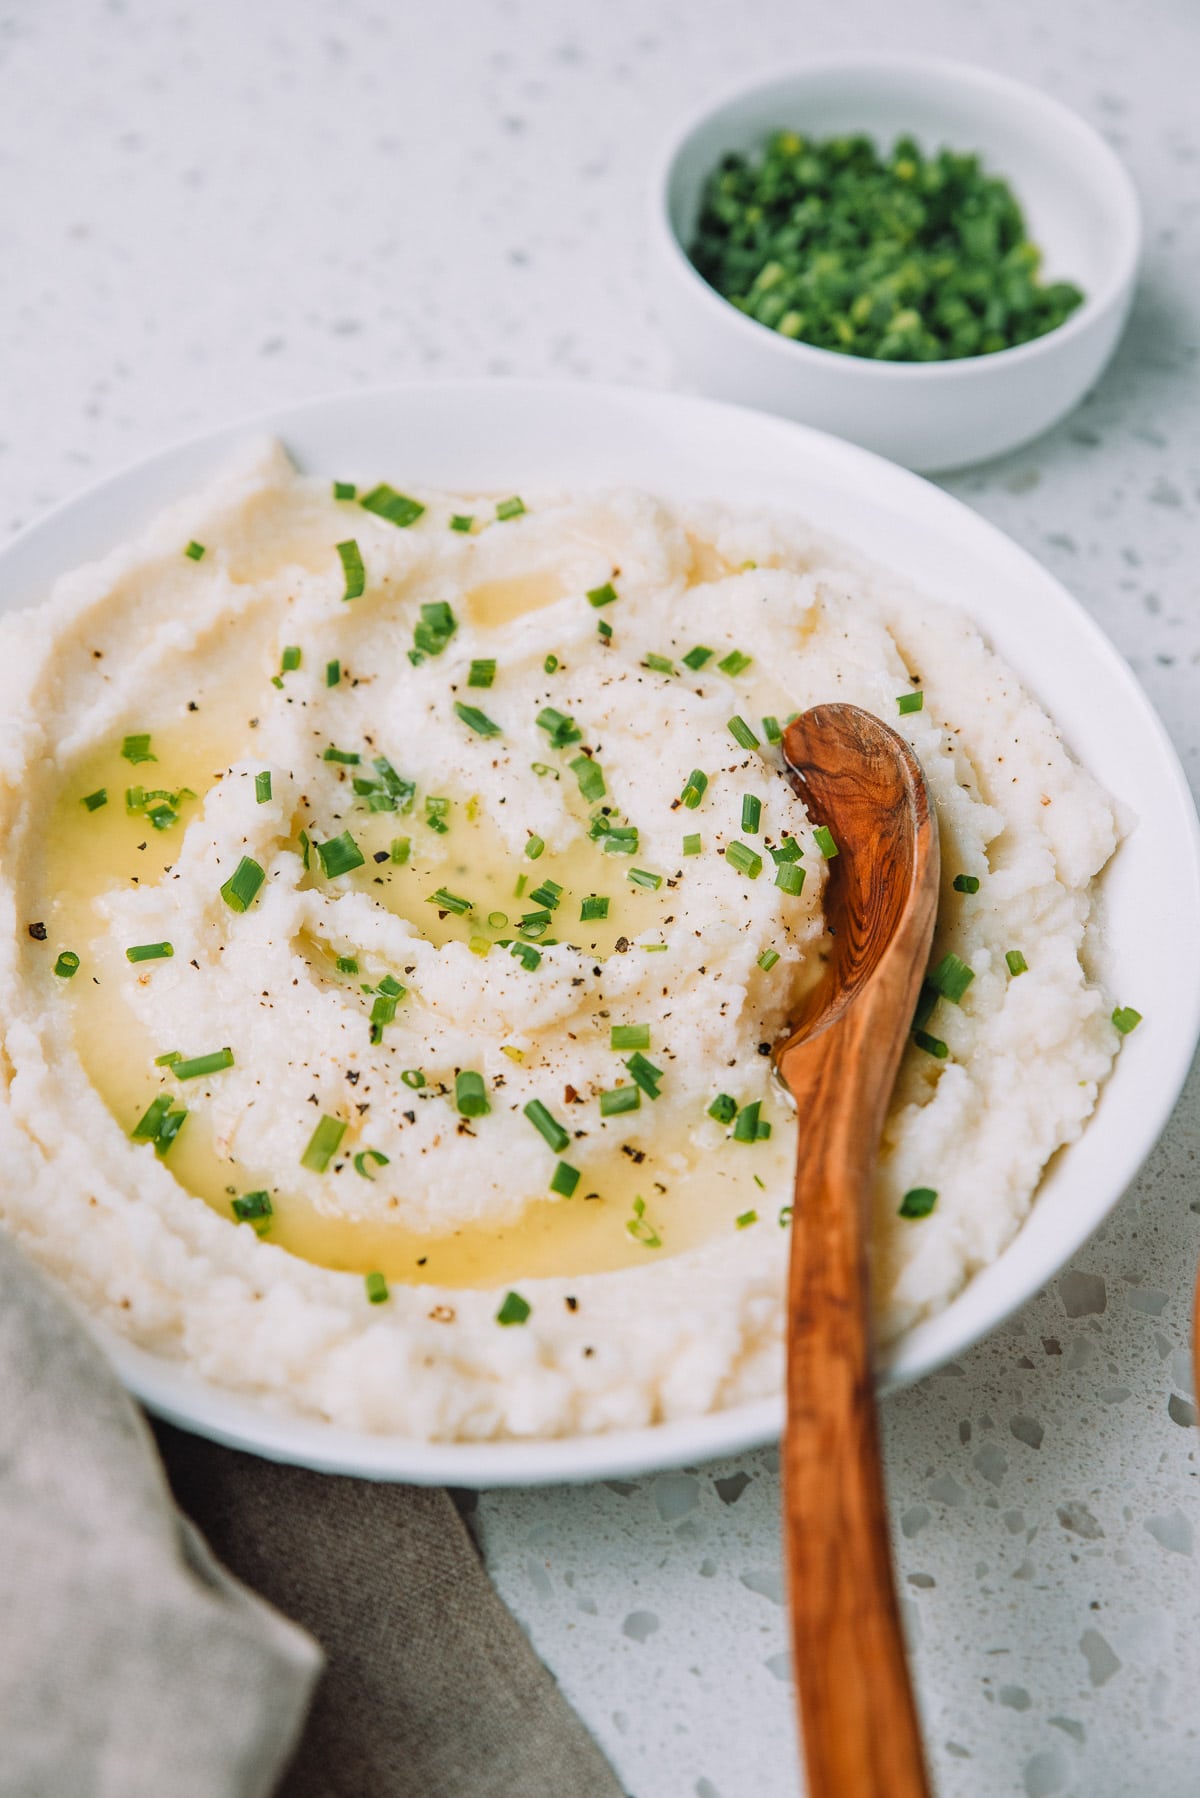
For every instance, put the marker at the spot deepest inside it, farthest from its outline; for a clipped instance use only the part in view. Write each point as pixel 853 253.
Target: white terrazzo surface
pixel 209 208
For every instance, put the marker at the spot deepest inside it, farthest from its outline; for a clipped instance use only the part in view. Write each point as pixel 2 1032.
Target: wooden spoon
pixel 858 1720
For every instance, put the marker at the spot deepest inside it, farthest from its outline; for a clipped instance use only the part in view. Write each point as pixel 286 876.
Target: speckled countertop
pixel 209 208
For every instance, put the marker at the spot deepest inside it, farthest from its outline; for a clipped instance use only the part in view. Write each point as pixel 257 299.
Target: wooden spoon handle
pixel 859 1722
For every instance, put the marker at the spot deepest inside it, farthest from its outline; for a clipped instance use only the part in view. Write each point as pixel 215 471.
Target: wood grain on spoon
pixel 858 1719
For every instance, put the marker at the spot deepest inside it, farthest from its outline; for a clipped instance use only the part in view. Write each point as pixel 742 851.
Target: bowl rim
pixel 1109 294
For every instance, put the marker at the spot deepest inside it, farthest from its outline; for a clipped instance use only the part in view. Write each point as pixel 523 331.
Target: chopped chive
pixel 383 1009
pixel 534 848
pixel 696 658
pixel 771 730
pixel 652 948
pixel 564 1180
pixel 252 1207
pixel 376 1287
pixel 136 749
pixel 951 978
pixel 594 906
pixel 304 848
pixel 323 1144
pixel 365 1155
pixel 434 630
pixel 616 839
pixel 461 521
pixel 691 844
pixel 149 952
pixel 198 1065
pixel 641 877
pixel 1126 1019
pixel 1016 962
pixel 529 957
pixel 919 1202
pixel 927 999
pixel 93 801
pixel 262 786
pixel 604 632
pixel 347 964
pixel 482 673
pixel 400 850
pixel 734 663
pixel 723 1108
pixel 746 1219
pixel 194 551
pixel 497 920
pixel 477 720
pixel 513 1310
pixel 479 945
pixel 749 1127
pixel 241 889
pixel 751 813
pixel 353 569
pixel 932 1045
pixel 560 729
pixel 510 508
pixel 344 490
pixel 695 789
pixel 550 665
pixel 548 894
pixel 291 659
pixel 660 664
pixel 535 923
pixel 767 960
pixel 640 1227
pixel 785 1216
pixel 447 901
pixel 350 758
pixel 522 883
pixel 547 1126
pixel 602 596
pixel 966 883
pixel 340 855
pixel 910 702
pixel 590 776
pixel 437 814
pixel 67 964
pixel 789 878
pixel 517 1055
pixel 644 1074
pixel 629 1036
pixel 413 1078
pixel 741 733
pixel 470 1095
pixel 620 1100
pixel 788 851
pixel 823 838
pixel 747 861
pixel 397 508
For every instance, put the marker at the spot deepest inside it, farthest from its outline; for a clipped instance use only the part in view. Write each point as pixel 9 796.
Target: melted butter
pixel 494 603
pixel 690 1194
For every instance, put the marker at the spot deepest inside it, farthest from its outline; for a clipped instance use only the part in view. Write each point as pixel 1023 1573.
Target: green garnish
pixel 910 702
pixel 550 665
pixel 547 1126
pixel 560 729
pixel 241 889
pixel 482 673
pixel 350 758
pixel 614 839
pixel 340 855
pixel 376 1287
pixel 352 568
pixel 789 878
pixel 1016 962
pixel 347 964
pixel 323 1144
pixel 413 1078
pixel 365 1155
pixel 93 801
pixel 401 848
pixel 434 630
pixel 149 952
pixel 604 632
pixel 644 1074
pixel 548 894
pixel 461 521
pixel 564 1180
pixel 951 978
pixel 723 1108
pixel 161 807
pixel 694 791
pixel 641 1229
pixel 620 1100
pixel 529 957
pixel 746 1219
pixel 641 877
pixel 788 851
pixel 252 1207
pixel 194 551
pixel 437 814
pixel 388 791
pixel 734 663
pixel 919 1202
pixel 771 730
pixel 198 1065
pixel 932 1045
pixel 751 814
pixel 470 1095
pixel 696 658
pixel 767 960
pixel 514 1310
pixel 477 720
pixel 590 776
pixel 602 596
pixel 966 883
pixel 534 847
pixel 290 660
pixel 741 733
pixel 660 664
pixel 896 255
pixel 747 861
pixel 344 490
pixel 262 786
pixel 160 1123
pixel 136 749
pixel 67 964
pixel 497 919
pixel 1126 1019
pixel 447 901
pixel 388 994
pixel 629 1036
pixel 510 508
pixel 397 508
pixel 750 1127
pixel 594 906
pixel 823 838
pixel 691 844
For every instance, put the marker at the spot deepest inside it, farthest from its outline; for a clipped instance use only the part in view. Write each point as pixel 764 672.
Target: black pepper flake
pixel 572 1303
pixel 381 855
pixel 38 932
pixel 764 1048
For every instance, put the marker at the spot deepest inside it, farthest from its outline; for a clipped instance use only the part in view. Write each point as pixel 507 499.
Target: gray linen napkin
pixel 132 1665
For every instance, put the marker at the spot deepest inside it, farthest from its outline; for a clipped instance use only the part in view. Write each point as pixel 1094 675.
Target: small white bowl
pixel 1080 207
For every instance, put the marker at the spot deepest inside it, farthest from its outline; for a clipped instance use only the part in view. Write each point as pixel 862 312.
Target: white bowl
pixel 519 436
pixel 1080 206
